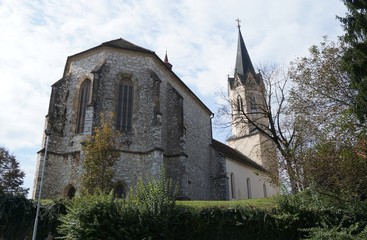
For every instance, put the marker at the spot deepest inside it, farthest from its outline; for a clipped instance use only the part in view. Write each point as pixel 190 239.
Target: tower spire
pixel 243 62
pixel 166 62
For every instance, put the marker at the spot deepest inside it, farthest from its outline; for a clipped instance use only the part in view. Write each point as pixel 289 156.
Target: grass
pixel 260 203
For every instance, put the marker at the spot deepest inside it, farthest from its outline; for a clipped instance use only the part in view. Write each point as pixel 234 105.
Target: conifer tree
pixel 355 58
pixel 100 156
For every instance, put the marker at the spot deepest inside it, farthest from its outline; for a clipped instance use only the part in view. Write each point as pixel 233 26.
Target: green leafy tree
pixel 355 57
pixel 100 156
pixel 322 91
pixel 339 169
pixel 335 161
pixel 320 79
pixel 11 177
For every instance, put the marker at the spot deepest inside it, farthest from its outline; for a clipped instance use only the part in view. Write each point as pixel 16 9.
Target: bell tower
pixel 246 92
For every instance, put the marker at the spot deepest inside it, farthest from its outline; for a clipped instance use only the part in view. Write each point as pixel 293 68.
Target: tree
pixel 322 91
pixel 282 127
pixel 100 156
pixel 355 56
pixel 339 168
pixel 335 163
pixel 11 177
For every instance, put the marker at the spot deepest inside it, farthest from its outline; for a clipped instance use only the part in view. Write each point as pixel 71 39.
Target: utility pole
pixel 34 236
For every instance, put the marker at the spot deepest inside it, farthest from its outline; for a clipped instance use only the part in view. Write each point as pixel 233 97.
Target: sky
pixel 200 37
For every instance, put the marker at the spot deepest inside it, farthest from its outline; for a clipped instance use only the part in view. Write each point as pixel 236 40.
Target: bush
pixel 151 213
pixel 337 233
pixel 99 217
pixel 144 215
pixel 326 217
pixel 17 216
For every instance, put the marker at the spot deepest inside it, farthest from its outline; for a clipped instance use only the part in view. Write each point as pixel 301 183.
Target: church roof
pixel 235 155
pixel 123 44
pixel 243 61
pixel 117 43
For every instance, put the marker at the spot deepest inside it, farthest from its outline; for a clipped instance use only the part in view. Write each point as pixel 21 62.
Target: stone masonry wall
pixel 194 142
pixel 219 177
pixel 155 134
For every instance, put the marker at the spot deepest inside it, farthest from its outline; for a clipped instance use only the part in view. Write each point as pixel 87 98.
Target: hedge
pixel 103 217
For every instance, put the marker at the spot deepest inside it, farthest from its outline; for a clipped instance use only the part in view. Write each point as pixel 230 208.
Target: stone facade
pixel 169 125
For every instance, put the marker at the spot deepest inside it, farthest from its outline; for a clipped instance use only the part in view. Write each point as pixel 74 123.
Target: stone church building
pixel 162 123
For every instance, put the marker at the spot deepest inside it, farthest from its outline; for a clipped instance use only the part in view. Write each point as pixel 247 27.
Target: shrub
pixel 337 233
pixel 144 215
pixel 98 217
pixel 17 216
pixel 326 217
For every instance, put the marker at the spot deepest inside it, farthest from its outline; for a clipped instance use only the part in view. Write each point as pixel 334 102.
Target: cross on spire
pixel 238 23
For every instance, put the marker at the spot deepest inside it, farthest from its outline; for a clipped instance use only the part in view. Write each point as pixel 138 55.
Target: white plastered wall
pixel 257 178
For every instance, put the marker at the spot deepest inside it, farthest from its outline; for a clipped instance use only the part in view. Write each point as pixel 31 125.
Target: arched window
pixel 248 183
pixel 265 192
pixel 233 190
pixel 69 191
pixel 253 104
pixel 239 104
pixel 83 101
pixel 119 191
pixel 124 106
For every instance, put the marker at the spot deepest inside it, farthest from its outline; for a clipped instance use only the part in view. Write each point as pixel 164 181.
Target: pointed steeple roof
pixel 166 62
pixel 243 61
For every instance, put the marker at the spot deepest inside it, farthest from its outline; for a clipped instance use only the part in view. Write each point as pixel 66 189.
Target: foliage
pixel 145 214
pixel 297 216
pixel 99 217
pixel 355 57
pixel 154 196
pixel 335 161
pixel 336 233
pixel 306 215
pixel 11 177
pixel 321 91
pixel 102 217
pixel 17 216
pixel 328 217
pixel 99 159
pixel 339 168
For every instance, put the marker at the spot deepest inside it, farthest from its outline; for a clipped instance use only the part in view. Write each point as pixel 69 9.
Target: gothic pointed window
pixel 124 106
pixel 248 183
pixel 239 104
pixel 253 105
pixel 233 190
pixel 119 191
pixel 69 191
pixel 265 191
pixel 83 101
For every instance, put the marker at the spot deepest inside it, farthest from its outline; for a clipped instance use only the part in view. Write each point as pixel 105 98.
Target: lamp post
pixel 34 236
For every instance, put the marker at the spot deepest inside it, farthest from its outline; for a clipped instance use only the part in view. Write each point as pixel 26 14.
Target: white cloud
pixel 200 37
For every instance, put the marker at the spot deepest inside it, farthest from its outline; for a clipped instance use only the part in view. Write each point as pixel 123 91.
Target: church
pixel 162 124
